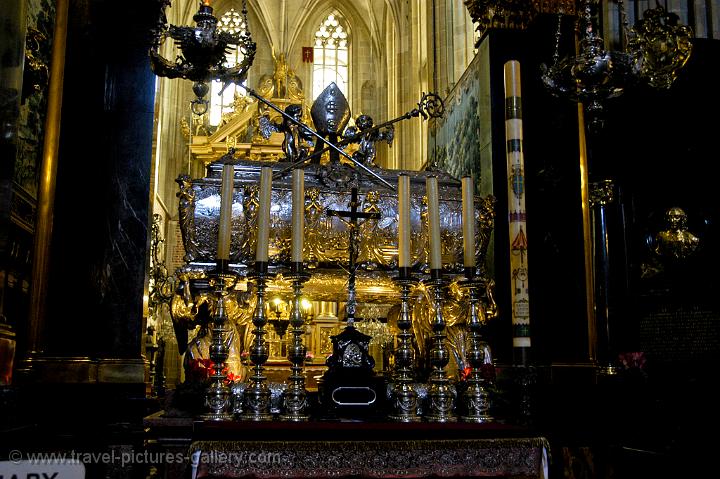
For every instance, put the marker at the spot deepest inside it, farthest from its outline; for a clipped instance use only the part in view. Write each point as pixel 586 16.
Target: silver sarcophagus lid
pixel 326 242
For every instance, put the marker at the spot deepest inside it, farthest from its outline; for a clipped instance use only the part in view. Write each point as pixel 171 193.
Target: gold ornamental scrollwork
pixel 513 14
pixel 36 73
pixel 602 193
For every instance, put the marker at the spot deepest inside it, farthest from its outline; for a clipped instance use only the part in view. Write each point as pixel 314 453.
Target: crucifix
pixel 350 218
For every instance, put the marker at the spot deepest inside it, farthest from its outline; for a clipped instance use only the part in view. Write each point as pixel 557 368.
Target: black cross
pixel 353 216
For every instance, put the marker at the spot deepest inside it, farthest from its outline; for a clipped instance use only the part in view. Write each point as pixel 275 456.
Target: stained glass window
pixel 330 55
pixel 220 104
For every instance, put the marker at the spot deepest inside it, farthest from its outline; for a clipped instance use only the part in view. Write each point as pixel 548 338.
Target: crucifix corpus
pixel 350 218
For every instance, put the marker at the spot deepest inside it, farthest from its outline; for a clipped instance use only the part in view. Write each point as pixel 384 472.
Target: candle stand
pixel 441 397
pixel 256 402
pixel 295 399
pixel 217 396
pixel 476 398
pixel 404 394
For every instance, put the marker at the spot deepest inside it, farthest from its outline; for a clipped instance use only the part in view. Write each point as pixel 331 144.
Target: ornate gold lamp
pixel 280 322
pixel 204 50
pixel 655 50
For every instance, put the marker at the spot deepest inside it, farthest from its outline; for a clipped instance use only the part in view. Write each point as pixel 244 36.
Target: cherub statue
pixel 297 139
pixel 367 150
pixel 295 136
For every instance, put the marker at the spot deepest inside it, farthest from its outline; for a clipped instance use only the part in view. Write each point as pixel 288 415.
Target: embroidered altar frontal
pixel 521 457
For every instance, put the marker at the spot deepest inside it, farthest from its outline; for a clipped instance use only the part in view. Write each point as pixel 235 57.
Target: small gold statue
pixel 676 242
pixel 280 75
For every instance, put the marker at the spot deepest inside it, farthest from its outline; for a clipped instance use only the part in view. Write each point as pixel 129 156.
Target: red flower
pixel 487 372
pixel 201 370
pixel 633 360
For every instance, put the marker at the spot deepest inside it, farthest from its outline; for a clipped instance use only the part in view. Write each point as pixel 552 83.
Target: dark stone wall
pixel 659 145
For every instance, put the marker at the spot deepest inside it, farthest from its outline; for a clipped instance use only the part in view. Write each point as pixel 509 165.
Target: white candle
pixel 512 79
pixel 263 218
pixel 468 221
pixel 513 123
pixel 226 201
pixel 403 221
pixel 298 214
pixel 431 185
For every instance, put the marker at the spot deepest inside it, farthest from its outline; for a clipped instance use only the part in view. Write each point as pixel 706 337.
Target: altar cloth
pixel 514 457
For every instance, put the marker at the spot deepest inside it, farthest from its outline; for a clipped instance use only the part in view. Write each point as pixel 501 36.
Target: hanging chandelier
pixel 204 49
pixel 655 50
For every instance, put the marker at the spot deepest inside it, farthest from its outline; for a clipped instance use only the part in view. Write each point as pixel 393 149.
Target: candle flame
pixel 206 3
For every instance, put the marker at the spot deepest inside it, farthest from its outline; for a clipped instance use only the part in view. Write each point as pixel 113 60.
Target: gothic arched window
pixel 220 104
pixel 330 55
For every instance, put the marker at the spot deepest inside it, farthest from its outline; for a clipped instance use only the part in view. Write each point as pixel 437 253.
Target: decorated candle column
pixel 517 215
pixel 475 398
pixel 256 401
pixel 295 402
pixel 441 397
pixel 404 396
pixel 217 395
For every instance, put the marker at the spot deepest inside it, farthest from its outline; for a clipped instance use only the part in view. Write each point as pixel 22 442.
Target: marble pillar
pixel 92 321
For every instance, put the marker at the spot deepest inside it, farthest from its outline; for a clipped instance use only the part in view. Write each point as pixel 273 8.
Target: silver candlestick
pixel 256 402
pixel 440 394
pixel 404 395
pixel 476 398
pixel 217 396
pixel 295 398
